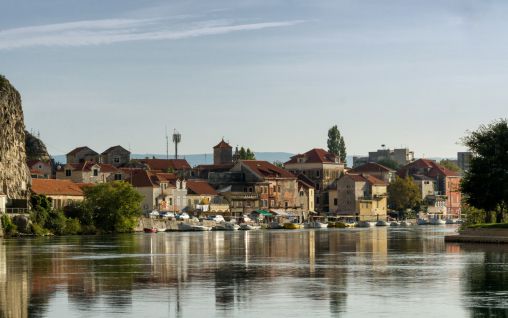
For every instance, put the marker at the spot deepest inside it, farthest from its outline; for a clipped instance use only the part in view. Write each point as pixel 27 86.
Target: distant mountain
pixel 198 159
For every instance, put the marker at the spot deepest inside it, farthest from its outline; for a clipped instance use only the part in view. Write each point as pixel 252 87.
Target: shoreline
pixel 479 235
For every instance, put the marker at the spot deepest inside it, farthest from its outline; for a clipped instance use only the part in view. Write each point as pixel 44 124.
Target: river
pixel 378 272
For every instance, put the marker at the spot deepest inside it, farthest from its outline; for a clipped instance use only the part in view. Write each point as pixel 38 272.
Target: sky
pixel 271 75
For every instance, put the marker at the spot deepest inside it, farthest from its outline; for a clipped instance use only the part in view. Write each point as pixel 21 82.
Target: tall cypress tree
pixel 336 143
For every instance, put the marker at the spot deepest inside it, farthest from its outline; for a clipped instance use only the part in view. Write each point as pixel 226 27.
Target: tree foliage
pixel 336 143
pixel 484 185
pixel 246 154
pixel 113 207
pixel 404 194
pixel 450 165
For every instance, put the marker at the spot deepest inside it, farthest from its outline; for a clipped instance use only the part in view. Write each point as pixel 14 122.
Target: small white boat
pixel 395 223
pixel 436 221
pixel 450 221
pixel 381 223
pixel 315 225
pixel 405 223
pixel 366 224
pixel 162 229
pixel 200 228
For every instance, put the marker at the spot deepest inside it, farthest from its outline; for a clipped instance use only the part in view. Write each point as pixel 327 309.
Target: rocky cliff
pixel 35 148
pixel 14 173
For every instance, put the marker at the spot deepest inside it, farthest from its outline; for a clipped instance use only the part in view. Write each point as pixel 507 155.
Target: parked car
pixel 154 214
pixel 167 215
pixel 182 216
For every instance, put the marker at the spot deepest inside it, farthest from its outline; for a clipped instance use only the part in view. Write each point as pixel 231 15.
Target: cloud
pixel 108 31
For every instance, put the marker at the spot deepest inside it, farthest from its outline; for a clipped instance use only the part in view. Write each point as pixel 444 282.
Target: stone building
pixel 447 182
pixel 222 153
pixel 82 154
pixel 362 196
pixel 402 156
pixel 89 172
pixel 160 191
pixel 178 166
pixel 116 156
pixel 40 169
pixel 376 170
pixel 61 192
pixel 321 168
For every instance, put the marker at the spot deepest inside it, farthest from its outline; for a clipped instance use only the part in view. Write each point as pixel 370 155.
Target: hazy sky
pixel 272 75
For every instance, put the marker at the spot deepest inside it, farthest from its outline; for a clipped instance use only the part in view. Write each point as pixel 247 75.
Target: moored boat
pixel 436 221
pixel 248 227
pixel 395 223
pixel 150 230
pixel 381 223
pixel 366 224
pixel 292 226
pixel 198 227
pixel 275 226
pixel 422 222
pixel 405 223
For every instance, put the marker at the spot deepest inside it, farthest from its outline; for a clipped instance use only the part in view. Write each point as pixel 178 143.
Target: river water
pixel 378 272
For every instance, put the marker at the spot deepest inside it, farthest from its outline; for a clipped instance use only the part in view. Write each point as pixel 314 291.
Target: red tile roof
pixel 316 155
pixel 222 145
pixel 56 187
pixel 427 167
pixel 165 164
pixel 267 170
pixel 371 167
pixel 370 179
pixel 142 178
pixel 200 187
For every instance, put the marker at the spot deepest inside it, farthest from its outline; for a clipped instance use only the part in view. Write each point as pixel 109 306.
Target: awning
pixel 263 212
pixel 280 212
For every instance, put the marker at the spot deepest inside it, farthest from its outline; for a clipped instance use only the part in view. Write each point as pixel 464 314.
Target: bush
pixel 9 227
pixel 38 230
pixel 72 227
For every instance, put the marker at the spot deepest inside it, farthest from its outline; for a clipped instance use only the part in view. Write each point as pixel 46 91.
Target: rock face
pixel 14 173
pixel 35 148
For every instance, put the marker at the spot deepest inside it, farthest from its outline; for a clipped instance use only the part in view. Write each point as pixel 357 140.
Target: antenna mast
pixel 177 138
pixel 167 144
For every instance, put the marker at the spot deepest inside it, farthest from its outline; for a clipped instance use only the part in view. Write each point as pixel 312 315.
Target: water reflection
pixel 352 272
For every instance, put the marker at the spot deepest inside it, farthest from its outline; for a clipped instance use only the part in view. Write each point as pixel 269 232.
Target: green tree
pixel 450 165
pixel 246 154
pixel 114 206
pixel 336 143
pixel 484 185
pixel 278 164
pixel 404 194
pixel 389 163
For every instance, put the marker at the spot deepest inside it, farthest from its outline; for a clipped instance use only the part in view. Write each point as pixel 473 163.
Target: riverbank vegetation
pixel 484 185
pixel 107 208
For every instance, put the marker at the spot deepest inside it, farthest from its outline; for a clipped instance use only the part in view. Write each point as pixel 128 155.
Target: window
pixel 247 204
pixel 95 172
pixel 278 189
pixel 286 204
pixel 335 201
pixel 118 176
pixel 317 173
pixel 116 159
pixel 317 186
pixel 170 201
pixel 68 173
pixel 272 202
pixel 301 193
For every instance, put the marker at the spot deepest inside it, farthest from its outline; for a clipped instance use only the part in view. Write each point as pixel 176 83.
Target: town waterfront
pixel 332 272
